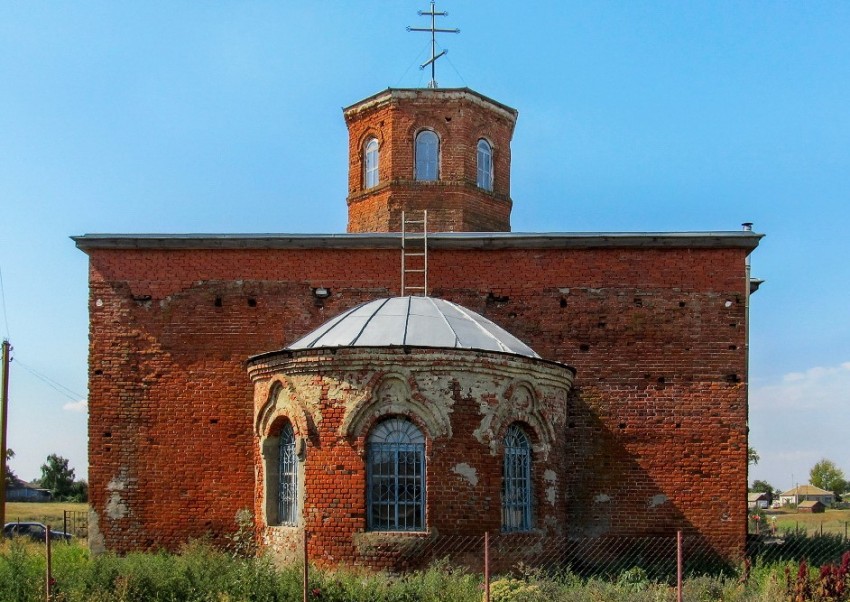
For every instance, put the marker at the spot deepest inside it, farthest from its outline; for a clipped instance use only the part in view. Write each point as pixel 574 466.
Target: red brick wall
pixel 656 437
pixel 455 202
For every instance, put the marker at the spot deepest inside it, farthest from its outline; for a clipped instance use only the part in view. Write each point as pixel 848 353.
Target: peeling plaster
pixel 116 507
pixel 97 543
pixel 550 476
pixel 602 498
pixel 551 495
pixel 467 472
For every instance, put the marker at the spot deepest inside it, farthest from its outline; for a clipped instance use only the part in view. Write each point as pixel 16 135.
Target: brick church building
pixel 370 387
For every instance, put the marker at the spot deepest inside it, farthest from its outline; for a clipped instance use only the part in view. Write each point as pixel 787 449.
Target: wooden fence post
pixel 48 579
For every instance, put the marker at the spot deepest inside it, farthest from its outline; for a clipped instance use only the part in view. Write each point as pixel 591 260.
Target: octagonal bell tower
pixel 444 150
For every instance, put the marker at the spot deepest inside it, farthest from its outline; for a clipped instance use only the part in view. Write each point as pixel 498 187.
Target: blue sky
pixel 634 116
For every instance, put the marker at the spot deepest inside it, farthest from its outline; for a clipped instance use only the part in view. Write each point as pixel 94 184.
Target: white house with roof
pixel 807 493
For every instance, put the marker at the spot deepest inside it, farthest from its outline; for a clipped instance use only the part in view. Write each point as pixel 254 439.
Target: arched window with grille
pixel 516 481
pixel 370 163
pixel 287 491
pixel 395 477
pixel 427 156
pixel 485 165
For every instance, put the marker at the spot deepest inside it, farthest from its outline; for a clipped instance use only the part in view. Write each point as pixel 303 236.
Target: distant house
pixel 807 493
pixel 758 499
pixel 21 491
pixel 814 507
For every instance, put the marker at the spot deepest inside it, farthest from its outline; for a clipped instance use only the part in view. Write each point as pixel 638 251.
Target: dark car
pixel 35 531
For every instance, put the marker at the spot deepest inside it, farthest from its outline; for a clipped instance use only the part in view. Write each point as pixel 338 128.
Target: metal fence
pixel 657 558
pixel 670 560
pixel 76 523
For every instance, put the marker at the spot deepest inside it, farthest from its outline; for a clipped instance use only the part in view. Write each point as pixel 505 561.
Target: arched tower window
pixel 516 481
pixel 287 491
pixel 427 156
pixel 370 163
pixel 485 165
pixel 395 477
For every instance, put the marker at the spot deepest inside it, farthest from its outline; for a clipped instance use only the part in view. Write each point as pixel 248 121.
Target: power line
pixel 56 386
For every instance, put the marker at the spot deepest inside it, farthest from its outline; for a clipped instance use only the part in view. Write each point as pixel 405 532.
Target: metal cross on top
pixel 434 30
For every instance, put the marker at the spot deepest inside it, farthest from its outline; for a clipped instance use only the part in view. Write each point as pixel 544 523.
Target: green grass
pixel 49 513
pixel 832 521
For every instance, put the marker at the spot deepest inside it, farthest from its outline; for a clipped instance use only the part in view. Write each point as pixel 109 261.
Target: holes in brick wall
pixel 563 302
pixel 638 302
pixel 682 303
pixel 621 426
pixel 217 302
pixel 107 448
pixel 601 323
pixel 213 420
pixel 494 298
pixel 678 425
pixel 142 299
pixel 571 425
pixel 733 325
pixel 733 347
pixel 448 119
pixel 107 434
pixel 660 380
pixel 252 302
pixel 732 378
pixel 584 347
pixel 98 372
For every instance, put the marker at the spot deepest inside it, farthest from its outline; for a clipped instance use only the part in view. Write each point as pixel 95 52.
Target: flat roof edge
pixel 443 240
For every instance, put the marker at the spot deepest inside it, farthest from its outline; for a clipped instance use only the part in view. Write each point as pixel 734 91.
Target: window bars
pixel 287 497
pixel 516 482
pixel 396 477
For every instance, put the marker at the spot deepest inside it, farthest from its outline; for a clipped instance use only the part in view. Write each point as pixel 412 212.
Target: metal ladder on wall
pixel 414 253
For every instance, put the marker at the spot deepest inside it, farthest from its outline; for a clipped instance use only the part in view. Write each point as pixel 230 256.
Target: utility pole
pixel 4 414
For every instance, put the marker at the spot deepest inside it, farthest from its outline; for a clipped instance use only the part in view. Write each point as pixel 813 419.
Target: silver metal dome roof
pixel 413 321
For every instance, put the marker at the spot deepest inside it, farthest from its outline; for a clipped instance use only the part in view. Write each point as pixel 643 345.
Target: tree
pixel 764 487
pixel 57 477
pixel 752 456
pixel 79 492
pixel 826 475
pixel 11 477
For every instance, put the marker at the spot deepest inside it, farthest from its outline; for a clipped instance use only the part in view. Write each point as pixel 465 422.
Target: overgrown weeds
pixel 201 573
